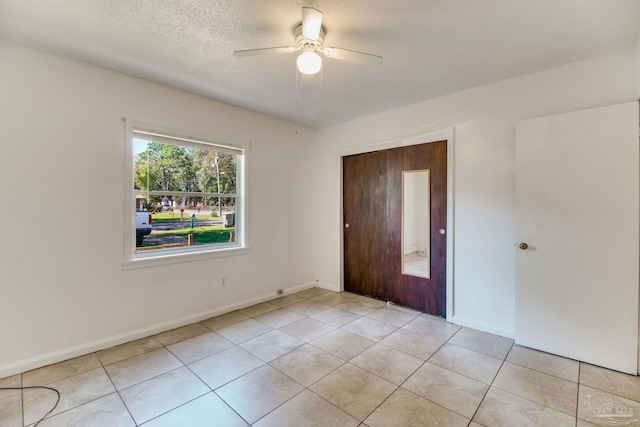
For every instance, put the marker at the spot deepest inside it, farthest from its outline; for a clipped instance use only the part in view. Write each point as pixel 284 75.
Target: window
pixel 186 196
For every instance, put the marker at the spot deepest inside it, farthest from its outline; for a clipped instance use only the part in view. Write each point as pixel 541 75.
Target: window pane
pixel 171 227
pixel 165 167
pixel 178 219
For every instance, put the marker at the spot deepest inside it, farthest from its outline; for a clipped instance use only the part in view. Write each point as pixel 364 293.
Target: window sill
pixel 177 257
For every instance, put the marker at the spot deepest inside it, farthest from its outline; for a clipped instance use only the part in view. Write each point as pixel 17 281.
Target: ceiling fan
pixel 309 37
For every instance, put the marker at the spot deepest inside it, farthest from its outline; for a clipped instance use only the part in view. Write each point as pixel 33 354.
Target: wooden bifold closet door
pixel 372 220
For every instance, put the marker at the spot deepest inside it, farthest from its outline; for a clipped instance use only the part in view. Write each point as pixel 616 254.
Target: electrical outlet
pixel 223 282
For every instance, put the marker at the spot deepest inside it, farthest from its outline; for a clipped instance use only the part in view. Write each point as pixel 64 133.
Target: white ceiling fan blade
pixel 352 56
pixel 311 23
pixel 266 50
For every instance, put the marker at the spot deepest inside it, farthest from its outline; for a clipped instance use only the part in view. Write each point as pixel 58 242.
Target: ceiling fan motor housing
pixel 301 41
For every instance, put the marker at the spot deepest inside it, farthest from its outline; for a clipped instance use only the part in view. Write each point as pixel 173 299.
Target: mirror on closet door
pixel 416 223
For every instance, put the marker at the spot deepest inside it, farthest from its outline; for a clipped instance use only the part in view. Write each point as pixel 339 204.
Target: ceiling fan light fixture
pixel 309 62
pixel 309 38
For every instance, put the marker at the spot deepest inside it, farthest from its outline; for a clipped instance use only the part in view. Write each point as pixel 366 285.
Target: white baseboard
pixel 326 286
pixel 468 323
pixel 92 346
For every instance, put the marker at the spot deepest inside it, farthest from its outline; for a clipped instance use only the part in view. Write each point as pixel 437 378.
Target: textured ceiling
pixel 430 47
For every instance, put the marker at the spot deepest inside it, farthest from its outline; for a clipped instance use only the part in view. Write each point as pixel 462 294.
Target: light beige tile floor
pixel 319 358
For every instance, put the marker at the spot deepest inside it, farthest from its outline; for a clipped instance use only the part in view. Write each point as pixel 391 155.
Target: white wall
pixel 638 69
pixel 422 213
pixel 483 119
pixel 415 212
pixel 63 291
pixel 409 213
pixel 638 97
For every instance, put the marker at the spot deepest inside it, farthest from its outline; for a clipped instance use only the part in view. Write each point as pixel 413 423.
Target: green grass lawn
pixel 168 217
pixel 201 235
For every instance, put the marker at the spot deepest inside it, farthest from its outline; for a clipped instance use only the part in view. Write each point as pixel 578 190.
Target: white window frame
pixel 133 259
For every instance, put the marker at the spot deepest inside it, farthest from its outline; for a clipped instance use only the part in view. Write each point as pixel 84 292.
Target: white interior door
pixel 577 209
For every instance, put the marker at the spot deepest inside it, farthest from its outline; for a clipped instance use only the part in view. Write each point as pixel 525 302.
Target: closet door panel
pixel 365 224
pixel 424 294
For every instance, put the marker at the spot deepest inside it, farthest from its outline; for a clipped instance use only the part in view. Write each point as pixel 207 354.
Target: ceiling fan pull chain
pixel 321 98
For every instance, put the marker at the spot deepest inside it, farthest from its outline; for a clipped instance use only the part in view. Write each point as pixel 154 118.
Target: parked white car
pixel 143 226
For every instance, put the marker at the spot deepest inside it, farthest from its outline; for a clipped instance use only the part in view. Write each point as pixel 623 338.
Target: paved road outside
pixel 181 225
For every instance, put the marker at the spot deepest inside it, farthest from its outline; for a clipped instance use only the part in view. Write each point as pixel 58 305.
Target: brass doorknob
pixel 523 245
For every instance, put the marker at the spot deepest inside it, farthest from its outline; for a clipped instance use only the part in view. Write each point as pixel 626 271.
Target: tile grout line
pixel 293 379
pixel 84 403
pixel 304 388
pixel 276 408
pixel 156 376
pixel 49 384
pixel 345 362
pixel 578 392
pixel 540 403
pixel 22 397
pixel 543 372
pixel 447 369
pixel 529 400
pixel 539 372
pixel 427 361
pixel 398 386
pixel 221 385
pixel 116 390
pixel 493 380
pixel 128 357
pixel 309 343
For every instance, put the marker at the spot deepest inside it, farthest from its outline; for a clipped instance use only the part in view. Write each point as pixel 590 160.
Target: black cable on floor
pixel 36 387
